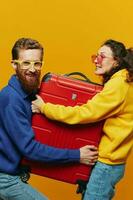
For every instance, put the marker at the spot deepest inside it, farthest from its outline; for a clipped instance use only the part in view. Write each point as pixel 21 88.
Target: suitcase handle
pixel 47 77
pixel 79 74
pixel 83 76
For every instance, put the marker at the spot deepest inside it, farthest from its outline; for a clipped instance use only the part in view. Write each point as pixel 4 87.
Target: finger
pixel 34 102
pixel 93 153
pixel 92 163
pixel 33 107
pixel 92 147
pixel 33 110
pixel 89 163
pixel 38 97
pixel 86 162
pixel 93 157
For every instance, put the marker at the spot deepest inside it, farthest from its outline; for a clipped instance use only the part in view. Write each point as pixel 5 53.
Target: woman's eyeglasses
pixel 99 58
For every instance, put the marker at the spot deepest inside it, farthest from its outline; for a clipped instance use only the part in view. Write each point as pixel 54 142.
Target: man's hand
pixel 36 105
pixel 88 154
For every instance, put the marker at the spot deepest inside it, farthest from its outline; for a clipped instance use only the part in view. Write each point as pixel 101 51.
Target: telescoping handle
pixel 79 74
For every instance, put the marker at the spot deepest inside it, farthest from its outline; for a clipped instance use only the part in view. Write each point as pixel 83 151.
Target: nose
pixel 32 69
pixel 95 60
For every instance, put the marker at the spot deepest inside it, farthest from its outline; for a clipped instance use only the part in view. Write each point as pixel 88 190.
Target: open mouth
pixel 30 74
pixel 98 67
pixel 31 77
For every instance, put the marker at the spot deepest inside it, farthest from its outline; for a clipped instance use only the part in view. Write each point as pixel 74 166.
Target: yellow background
pixel 70 30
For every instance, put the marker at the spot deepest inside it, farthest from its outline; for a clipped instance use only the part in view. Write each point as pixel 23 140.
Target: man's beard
pixel 28 86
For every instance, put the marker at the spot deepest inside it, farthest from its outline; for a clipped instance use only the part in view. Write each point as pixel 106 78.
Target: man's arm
pixel 21 133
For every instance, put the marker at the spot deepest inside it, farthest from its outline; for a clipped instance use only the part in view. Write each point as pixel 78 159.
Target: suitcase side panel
pixel 69 92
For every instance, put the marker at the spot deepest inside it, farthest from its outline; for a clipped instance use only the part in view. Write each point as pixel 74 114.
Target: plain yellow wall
pixel 71 31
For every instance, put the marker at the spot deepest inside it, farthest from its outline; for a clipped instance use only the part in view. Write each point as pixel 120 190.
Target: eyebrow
pixel 102 52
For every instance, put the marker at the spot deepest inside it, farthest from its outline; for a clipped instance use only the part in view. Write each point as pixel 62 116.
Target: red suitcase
pixel 59 89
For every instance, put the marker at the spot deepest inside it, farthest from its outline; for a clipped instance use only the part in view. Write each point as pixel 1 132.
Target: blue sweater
pixel 17 136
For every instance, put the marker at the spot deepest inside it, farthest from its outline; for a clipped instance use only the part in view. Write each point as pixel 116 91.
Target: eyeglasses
pixel 28 64
pixel 99 58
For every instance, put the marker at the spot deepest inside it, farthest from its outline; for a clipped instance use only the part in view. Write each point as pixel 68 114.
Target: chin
pixel 29 81
pixel 99 73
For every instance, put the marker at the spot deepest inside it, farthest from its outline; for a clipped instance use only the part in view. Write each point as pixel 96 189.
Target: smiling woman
pixel 108 57
pixel 104 60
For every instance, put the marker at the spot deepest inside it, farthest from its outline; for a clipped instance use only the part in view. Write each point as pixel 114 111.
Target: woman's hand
pixel 37 104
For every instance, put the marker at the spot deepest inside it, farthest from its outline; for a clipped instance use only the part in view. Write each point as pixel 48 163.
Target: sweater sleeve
pixel 103 105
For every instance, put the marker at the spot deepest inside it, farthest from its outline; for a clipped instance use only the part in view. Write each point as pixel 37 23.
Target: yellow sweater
pixel 114 104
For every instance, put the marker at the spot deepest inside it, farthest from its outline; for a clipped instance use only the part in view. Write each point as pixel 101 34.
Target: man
pixel 16 134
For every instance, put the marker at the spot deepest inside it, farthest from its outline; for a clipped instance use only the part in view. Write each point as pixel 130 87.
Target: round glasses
pixel 28 64
pixel 99 58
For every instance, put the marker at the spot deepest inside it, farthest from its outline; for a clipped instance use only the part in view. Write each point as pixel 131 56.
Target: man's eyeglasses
pixel 99 58
pixel 27 64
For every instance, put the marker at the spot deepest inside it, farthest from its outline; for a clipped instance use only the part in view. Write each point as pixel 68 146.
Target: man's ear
pixel 14 65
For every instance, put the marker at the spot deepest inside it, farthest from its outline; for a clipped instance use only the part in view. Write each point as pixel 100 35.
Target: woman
pixel 113 104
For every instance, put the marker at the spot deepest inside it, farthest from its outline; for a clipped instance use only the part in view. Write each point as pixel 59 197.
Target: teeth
pixel 98 67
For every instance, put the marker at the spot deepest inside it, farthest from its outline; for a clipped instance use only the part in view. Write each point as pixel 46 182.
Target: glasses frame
pixel 99 58
pixel 31 64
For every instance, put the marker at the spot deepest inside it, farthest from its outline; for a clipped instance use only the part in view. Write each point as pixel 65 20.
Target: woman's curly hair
pixel 124 59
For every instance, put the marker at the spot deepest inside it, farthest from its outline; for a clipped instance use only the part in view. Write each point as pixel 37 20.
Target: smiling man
pixel 28 68
pixel 16 134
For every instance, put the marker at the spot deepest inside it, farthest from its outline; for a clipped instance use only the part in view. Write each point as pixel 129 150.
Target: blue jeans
pixel 12 188
pixel 101 185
